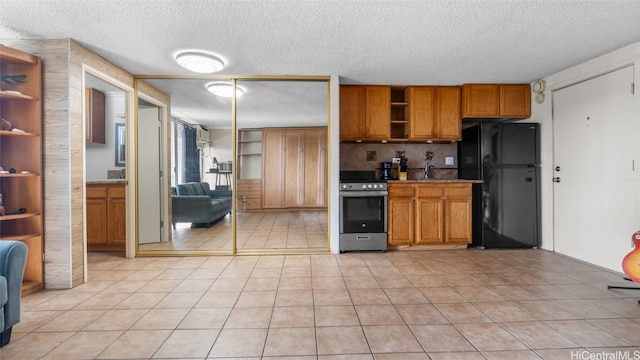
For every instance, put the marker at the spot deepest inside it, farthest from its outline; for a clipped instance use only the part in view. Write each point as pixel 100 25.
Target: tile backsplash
pixel 368 156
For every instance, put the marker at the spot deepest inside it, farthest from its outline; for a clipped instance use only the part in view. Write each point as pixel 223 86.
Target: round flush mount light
pixel 224 89
pixel 199 61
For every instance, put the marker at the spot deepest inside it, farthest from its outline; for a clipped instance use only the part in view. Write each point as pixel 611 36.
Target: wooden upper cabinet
pixel 435 113
pixel 449 125
pixel 377 113
pixel 352 112
pixel 422 112
pixel 496 101
pixel 95 116
pixel 480 100
pixel 515 101
pixel 365 112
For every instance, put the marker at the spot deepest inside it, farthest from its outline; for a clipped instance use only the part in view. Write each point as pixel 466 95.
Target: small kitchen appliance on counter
pixel 385 171
pixel 363 212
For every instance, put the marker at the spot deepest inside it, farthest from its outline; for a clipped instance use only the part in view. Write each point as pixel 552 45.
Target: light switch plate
pixel 448 160
pixel 396 160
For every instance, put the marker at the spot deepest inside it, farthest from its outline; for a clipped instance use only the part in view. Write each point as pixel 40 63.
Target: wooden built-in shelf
pixel 15 133
pixel 17 175
pixel 12 96
pixel 14 55
pixel 21 237
pixel 21 103
pixel 18 216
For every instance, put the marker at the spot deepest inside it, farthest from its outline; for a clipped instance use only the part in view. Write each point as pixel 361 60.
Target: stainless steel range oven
pixel 363 215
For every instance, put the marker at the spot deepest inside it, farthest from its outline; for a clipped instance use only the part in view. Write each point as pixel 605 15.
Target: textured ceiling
pixel 373 42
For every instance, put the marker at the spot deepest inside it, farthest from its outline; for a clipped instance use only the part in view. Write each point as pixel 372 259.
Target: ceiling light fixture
pixel 200 62
pixel 224 89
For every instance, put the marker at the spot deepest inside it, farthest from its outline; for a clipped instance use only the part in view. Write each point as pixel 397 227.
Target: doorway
pixel 594 189
pixel 105 115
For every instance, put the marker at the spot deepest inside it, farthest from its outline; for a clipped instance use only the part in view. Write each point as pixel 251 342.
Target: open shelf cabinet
pixel 21 154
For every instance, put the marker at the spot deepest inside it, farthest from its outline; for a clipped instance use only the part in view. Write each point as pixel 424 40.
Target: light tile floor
pixel 265 230
pixel 455 304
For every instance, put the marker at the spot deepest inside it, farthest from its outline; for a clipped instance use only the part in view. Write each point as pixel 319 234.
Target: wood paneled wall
pixel 63 161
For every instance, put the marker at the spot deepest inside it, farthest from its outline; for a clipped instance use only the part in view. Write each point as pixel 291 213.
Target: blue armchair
pixel 13 257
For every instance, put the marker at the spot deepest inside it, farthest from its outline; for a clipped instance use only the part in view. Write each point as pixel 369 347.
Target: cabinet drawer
pixel 96 193
pixel 254 204
pixel 250 194
pixel 402 190
pixel 430 191
pixel 249 186
pixel 459 191
pixel 117 192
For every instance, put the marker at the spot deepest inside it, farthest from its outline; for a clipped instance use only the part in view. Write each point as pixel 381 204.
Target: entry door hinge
pixel 633 88
pixel 44 258
pixel 161 224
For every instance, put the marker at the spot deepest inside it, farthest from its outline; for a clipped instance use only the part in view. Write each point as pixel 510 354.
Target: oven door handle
pixel 372 193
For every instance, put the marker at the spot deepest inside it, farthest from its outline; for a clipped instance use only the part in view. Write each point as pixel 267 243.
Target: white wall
pixel 101 157
pixel 221 148
pixel 542 113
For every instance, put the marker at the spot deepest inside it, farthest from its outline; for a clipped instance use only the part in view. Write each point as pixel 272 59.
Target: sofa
pixel 13 257
pixel 197 204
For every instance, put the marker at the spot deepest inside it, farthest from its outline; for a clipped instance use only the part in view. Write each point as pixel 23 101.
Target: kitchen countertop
pixel 434 181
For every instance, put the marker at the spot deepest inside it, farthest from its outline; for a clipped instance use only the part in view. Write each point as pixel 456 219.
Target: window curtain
pixel 190 155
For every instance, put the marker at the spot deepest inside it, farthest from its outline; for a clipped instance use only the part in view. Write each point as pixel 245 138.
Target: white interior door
pixel 149 177
pixel 593 160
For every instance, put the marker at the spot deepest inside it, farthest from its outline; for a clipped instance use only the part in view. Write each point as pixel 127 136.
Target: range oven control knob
pixel 364 186
pixel 345 186
pixel 370 186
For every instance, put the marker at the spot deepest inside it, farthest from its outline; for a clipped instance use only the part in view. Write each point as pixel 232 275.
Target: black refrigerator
pixel 506 205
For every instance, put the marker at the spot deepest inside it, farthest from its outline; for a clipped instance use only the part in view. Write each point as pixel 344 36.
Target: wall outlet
pixel 448 160
pixel 395 160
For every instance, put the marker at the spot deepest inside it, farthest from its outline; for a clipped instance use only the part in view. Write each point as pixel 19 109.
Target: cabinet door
pixel 95 116
pixel 273 169
pixel 429 220
pixel 449 124
pixel 458 214
pixel 422 113
pixel 314 179
pixel 515 101
pixel 97 221
pixel 117 216
pixel 352 112
pixel 480 100
pixel 378 113
pixel 458 221
pixel 400 221
pixel 294 155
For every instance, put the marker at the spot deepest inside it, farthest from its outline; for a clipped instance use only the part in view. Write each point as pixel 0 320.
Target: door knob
pixel 556 179
pixel 528 179
pixel 557 168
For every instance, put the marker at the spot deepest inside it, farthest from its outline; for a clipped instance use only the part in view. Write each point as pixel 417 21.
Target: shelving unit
pixel 22 151
pixel 399 113
pixel 250 154
pixel 249 183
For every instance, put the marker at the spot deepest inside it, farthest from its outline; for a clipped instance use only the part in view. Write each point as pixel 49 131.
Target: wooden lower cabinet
pixel 429 214
pixel 106 217
pixel 249 192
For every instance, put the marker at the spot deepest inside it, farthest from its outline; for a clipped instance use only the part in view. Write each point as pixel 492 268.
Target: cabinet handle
pixel 556 179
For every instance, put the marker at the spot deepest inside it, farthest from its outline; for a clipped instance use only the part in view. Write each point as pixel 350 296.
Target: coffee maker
pixel 385 171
